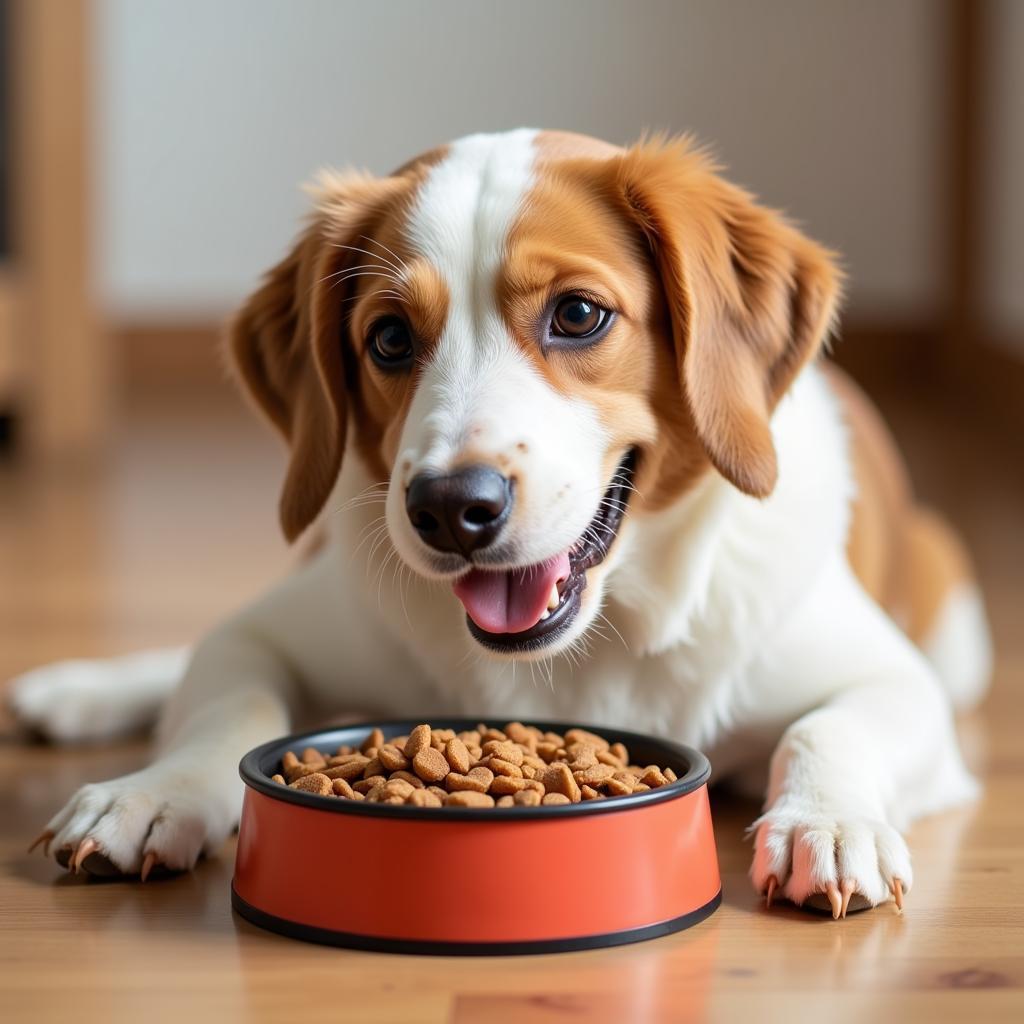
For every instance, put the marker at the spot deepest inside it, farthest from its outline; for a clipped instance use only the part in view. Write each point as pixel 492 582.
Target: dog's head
pixel 533 337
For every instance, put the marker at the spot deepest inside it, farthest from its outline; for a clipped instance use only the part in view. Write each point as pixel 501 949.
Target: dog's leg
pixel 188 800
pixel 307 644
pixel 86 701
pixel 878 749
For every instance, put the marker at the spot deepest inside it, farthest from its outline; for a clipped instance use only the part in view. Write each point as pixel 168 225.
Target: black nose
pixel 463 511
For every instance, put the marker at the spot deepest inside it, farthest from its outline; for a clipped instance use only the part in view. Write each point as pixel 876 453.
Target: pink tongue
pixel 510 601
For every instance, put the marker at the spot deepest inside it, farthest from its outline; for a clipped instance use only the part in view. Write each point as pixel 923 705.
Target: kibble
pixel 518 766
pixel 392 758
pixel 314 783
pixel 457 755
pixel 430 764
pixel 419 739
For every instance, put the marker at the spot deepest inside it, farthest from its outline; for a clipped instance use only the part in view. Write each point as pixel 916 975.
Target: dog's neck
pixel 720 564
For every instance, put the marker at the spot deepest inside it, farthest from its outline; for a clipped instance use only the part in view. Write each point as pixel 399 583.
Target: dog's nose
pixel 461 512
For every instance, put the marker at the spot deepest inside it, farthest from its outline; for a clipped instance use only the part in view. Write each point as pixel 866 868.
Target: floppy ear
pixel 271 343
pixel 286 344
pixel 751 300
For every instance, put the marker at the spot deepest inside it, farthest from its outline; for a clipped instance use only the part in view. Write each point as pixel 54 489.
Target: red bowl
pixel 475 880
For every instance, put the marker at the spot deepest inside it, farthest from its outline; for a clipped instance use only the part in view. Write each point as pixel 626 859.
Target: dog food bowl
pixel 451 880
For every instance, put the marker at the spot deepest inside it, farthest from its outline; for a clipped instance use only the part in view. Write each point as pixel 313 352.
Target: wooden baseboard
pixel 166 359
pixel 986 385
pixel 884 356
pixel 65 369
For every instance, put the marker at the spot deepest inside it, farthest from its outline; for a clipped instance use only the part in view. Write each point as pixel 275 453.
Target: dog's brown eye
pixel 576 317
pixel 391 343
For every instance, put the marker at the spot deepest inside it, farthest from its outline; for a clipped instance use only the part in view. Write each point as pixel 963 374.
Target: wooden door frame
pixel 64 357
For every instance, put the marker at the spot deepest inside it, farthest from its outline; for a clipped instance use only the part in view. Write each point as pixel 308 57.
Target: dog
pixel 558 413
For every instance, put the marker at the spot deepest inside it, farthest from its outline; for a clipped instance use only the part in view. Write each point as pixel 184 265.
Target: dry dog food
pixel 518 766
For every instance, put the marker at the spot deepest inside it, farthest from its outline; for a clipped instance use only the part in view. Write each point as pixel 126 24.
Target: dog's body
pixel 738 606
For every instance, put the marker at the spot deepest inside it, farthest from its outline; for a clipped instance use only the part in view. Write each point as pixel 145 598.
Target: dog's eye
pixel 577 317
pixel 391 343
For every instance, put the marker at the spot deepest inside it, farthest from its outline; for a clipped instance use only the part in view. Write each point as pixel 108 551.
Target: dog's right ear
pixel 286 343
pixel 751 300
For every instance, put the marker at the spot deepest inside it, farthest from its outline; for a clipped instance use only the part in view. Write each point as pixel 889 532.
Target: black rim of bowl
pixel 260 763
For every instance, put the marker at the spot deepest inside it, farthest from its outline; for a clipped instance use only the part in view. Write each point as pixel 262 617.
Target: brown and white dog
pixel 592 470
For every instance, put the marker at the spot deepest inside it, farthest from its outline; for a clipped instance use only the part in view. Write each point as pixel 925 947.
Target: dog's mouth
pixel 523 609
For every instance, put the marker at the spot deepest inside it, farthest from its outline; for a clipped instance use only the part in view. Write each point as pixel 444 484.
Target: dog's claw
pixel 897 894
pixel 148 863
pixel 835 899
pixel 45 837
pixel 847 888
pixel 772 884
pixel 86 847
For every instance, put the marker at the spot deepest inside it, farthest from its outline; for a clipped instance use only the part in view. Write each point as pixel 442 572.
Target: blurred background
pixel 152 153
pixel 151 157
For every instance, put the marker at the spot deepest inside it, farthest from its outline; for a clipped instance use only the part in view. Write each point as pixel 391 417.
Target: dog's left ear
pixel 751 300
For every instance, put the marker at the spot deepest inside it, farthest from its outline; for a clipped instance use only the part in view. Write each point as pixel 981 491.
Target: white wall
pixel 211 112
pixel 1002 272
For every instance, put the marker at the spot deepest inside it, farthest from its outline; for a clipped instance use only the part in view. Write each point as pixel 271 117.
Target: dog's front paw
pixel 836 862
pixel 128 826
pixel 83 701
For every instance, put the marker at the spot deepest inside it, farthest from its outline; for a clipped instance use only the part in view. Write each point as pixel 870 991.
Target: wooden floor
pixel 179 527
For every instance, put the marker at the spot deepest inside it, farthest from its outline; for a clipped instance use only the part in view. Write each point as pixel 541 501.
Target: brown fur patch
pixel 297 344
pixel 750 299
pixel 573 238
pixel 719 304
pixel 905 556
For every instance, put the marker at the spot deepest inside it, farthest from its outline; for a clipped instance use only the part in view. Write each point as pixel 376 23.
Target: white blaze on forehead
pixel 464 212
pixel 480 396
pixel 460 225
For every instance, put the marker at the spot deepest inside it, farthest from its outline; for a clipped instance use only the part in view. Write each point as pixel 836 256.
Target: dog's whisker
pixel 370 253
pixel 369 537
pixel 385 293
pixel 404 582
pixel 382 539
pixel 390 252
pixel 365 503
pixel 362 499
pixel 465 657
pixel 346 272
pixel 363 273
pixel 352 269
pixel 611 626
pixel 377 264
pixel 377 268
pixel 376 524
pixel 380 577
pixel 369 489
pixel 351 277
